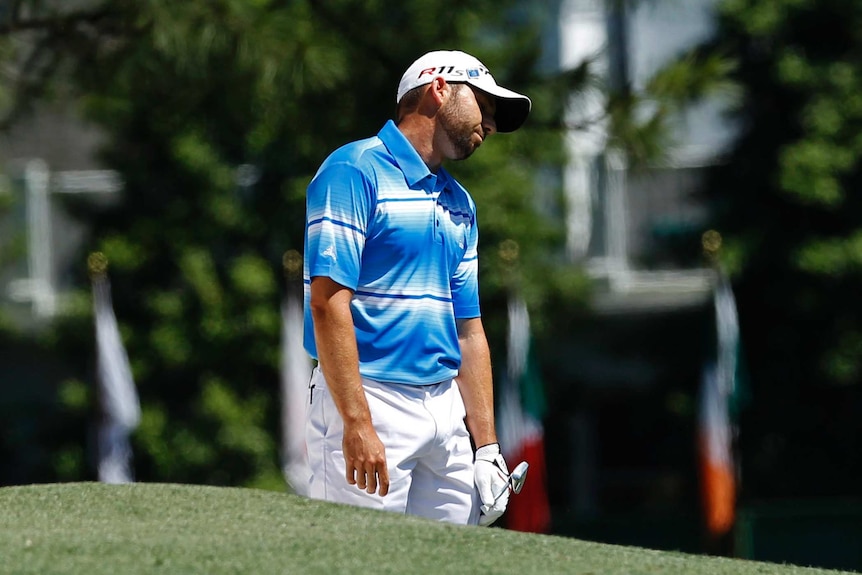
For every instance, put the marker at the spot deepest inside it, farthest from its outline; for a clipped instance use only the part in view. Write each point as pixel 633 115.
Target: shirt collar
pixel 408 159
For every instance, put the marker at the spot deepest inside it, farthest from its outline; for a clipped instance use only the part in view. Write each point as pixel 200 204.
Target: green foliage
pixel 75 395
pixel 218 113
pixel 835 257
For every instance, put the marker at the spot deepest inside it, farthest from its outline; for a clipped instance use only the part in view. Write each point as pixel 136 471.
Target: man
pixel 403 392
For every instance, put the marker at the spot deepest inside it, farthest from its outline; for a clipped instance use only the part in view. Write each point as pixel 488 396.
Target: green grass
pixel 94 529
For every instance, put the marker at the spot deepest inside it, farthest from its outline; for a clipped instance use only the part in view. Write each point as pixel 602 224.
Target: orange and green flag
pixel 721 395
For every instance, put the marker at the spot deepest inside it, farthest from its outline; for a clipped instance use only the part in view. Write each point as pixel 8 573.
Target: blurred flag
pixel 522 407
pixel 719 388
pixel 121 411
pixel 295 374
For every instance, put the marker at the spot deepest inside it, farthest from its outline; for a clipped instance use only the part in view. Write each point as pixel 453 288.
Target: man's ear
pixel 439 90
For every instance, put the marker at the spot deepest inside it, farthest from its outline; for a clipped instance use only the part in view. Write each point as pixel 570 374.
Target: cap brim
pixel 512 107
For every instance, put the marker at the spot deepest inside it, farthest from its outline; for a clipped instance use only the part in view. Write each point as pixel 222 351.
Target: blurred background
pixel 671 249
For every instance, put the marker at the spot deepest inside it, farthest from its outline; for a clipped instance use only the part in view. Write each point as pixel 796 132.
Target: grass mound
pixel 95 529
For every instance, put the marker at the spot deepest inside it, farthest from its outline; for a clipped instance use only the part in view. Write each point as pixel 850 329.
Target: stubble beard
pixel 460 134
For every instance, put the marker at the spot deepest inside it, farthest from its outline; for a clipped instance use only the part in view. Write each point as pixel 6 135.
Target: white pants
pixel 428 451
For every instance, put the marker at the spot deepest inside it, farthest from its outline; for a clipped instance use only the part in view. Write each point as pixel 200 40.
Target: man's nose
pixel 489 125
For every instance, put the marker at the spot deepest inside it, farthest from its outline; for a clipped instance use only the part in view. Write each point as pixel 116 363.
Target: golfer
pixel 401 408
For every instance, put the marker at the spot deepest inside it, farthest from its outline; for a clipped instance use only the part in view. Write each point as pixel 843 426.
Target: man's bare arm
pixel 334 334
pixel 475 381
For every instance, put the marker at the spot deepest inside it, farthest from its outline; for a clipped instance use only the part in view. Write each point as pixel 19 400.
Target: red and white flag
pixel 522 407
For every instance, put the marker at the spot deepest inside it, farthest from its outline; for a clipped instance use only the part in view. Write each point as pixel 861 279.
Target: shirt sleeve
pixel 465 281
pixel 338 204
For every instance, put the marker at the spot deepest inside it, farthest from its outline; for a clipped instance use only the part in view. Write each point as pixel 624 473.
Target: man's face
pixel 467 118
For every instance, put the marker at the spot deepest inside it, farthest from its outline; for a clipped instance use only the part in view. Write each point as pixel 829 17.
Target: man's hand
pixel 492 480
pixel 365 459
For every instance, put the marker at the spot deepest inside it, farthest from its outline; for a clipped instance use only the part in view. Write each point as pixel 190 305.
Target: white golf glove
pixel 492 480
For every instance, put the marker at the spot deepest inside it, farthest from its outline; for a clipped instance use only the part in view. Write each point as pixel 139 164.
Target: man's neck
pixel 419 132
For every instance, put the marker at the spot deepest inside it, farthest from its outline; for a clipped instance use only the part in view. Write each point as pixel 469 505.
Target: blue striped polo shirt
pixel 404 239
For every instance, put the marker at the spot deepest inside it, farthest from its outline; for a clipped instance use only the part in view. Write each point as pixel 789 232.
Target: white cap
pixel 460 67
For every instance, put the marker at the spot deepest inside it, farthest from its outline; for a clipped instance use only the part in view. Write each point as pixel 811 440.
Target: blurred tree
pixel 787 205
pixel 218 113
